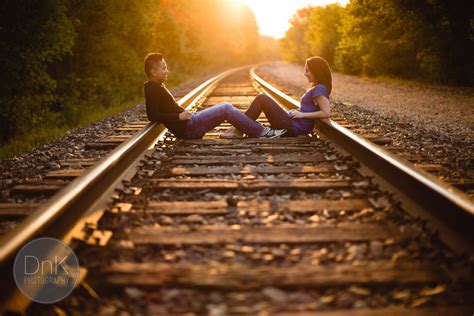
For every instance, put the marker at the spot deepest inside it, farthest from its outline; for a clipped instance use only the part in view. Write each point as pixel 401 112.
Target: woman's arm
pixel 324 112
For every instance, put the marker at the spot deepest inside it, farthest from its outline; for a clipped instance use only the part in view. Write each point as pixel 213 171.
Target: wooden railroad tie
pixel 222 207
pixel 289 233
pixel 256 184
pixel 244 277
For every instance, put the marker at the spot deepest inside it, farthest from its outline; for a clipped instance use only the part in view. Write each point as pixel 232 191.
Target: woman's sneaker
pixel 272 133
pixel 232 133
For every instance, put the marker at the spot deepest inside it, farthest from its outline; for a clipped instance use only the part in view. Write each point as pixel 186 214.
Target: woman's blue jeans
pixel 203 121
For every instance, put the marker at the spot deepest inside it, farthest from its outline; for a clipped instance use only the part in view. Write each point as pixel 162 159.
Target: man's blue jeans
pixel 203 121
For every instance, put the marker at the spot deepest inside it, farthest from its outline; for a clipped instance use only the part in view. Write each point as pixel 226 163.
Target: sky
pixel 273 16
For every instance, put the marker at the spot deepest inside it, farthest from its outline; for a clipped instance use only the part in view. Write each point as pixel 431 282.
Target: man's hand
pixel 185 115
pixel 297 114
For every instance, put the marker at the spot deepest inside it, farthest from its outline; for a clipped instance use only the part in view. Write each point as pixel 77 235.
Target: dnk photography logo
pixel 46 270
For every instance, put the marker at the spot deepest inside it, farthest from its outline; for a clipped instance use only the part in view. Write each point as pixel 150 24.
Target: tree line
pixel 430 40
pixel 64 58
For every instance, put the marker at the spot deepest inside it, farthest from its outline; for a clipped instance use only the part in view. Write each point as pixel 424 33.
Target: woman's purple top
pixel 304 126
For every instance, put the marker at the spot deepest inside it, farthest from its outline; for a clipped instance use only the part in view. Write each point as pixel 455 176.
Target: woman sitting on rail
pixel 314 104
pixel 162 107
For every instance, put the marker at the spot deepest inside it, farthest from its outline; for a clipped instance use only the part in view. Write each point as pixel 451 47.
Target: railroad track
pixel 410 149
pixel 325 223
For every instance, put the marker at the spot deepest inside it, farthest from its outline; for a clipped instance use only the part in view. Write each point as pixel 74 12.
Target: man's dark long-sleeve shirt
pixel 162 107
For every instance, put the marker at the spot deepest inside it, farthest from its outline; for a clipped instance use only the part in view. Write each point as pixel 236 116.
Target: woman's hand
pixel 185 115
pixel 294 114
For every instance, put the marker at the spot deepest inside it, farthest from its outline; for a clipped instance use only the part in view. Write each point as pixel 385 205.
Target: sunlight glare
pixel 273 16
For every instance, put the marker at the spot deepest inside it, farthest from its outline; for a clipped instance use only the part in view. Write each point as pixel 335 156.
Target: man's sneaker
pixel 272 133
pixel 232 133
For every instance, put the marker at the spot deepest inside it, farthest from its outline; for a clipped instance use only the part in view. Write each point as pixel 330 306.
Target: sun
pixel 273 16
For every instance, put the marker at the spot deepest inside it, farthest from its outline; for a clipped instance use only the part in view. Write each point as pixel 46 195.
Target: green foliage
pixel 65 62
pixel 37 136
pixel 414 39
pixel 323 34
pixel 313 31
pixel 54 129
pixel 294 46
pixel 446 36
pixel 106 65
pixel 348 52
pixel 32 35
pixel 379 38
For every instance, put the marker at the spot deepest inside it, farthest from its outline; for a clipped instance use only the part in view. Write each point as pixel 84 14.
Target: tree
pixel 33 34
pixel 422 39
pixel 106 64
pixel 447 36
pixel 294 45
pixel 379 38
pixel 323 34
pixel 63 59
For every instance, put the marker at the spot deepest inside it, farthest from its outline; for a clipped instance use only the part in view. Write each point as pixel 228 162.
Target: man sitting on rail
pixel 162 107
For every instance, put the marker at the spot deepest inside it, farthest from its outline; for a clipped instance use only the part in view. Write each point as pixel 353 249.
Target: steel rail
pixel 438 199
pixel 57 217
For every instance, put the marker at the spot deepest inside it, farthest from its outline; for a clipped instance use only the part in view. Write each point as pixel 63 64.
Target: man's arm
pixel 161 106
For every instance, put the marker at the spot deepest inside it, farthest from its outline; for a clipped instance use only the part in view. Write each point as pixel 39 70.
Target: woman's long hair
pixel 321 71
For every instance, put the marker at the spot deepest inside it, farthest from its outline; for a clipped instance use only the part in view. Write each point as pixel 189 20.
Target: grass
pixel 416 83
pixel 46 134
pixel 31 140
pixel 394 80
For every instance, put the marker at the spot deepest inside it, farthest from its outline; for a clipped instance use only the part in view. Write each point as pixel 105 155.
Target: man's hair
pixel 150 60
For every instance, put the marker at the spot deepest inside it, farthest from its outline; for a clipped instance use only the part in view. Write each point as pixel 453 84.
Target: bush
pixel 33 34
pixel 423 39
